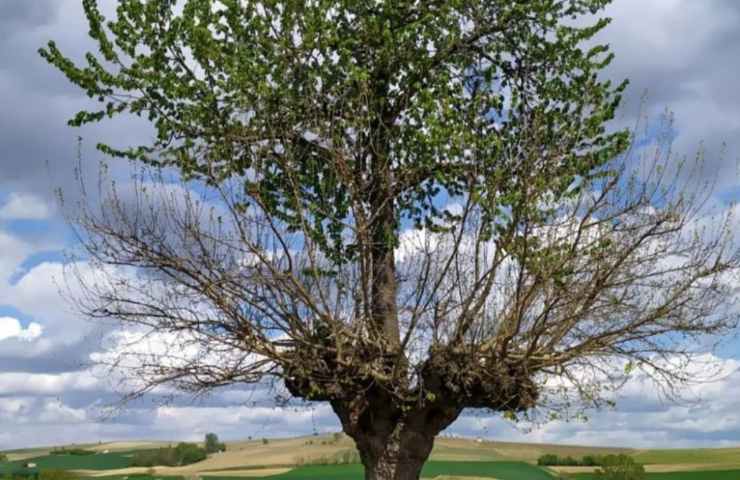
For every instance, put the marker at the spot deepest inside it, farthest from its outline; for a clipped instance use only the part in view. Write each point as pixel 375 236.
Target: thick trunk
pixel 398 456
pixel 394 440
pixel 392 468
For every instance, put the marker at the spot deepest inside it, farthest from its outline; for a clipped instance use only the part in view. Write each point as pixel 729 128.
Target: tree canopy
pixel 413 208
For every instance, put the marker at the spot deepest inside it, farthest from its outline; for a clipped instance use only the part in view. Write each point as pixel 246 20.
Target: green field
pixel 100 461
pixel 498 470
pixel 698 475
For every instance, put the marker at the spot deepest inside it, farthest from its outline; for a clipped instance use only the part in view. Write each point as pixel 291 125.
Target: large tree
pixel 402 208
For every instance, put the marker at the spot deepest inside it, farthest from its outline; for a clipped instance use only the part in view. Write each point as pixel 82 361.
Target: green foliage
pixel 3 457
pixel 182 454
pixel 591 460
pixel 72 451
pixel 550 459
pixel 265 441
pixel 414 98
pixel 188 453
pixel 212 444
pixel 620 467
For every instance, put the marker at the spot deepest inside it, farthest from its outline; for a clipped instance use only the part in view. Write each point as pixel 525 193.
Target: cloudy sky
pixel 681 53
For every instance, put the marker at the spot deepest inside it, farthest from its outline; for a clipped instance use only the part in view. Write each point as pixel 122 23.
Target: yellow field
pixel 119 446
pixel 463 449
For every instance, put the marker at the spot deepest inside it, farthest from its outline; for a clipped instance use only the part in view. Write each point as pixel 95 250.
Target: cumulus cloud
pixel 24 206
pixel 642 418
pixel 12 328
pixel 12 253
pixel 682 54
pixel 49 384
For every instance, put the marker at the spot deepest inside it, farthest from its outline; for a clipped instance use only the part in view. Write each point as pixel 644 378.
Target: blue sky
pixel 682 52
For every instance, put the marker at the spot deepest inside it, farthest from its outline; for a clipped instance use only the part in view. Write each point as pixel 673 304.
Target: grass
pixel 498 470
pixel 697 475
pixel 101 461
pixel 687 456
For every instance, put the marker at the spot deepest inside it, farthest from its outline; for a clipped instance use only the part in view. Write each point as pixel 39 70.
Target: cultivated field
pixel 315 458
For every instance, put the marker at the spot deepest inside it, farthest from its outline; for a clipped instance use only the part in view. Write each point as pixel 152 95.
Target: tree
pixel 402 208
pixel 182 454
pixel 189 453
pixel 620 467
pixel 212 444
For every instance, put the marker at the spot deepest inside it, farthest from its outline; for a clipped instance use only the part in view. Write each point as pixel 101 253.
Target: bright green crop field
pixel 698 475
pixel 100 461
pixel 498 470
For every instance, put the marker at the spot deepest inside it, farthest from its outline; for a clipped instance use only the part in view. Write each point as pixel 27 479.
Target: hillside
pixel 258 457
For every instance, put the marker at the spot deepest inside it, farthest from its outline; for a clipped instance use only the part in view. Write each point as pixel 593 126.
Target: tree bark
pixel 400 456
pixel 394 441
pixel 384 282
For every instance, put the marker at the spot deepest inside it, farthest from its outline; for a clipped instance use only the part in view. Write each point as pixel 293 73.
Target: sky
pixel 680 55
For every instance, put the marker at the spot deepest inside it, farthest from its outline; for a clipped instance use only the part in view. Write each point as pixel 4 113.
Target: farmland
pixel 101 461
pixel 332 457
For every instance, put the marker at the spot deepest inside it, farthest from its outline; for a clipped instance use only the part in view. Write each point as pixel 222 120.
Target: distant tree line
pixel 182 454
pixel 620 467
pixel 552 460
pixel 72 451
pixel 611 467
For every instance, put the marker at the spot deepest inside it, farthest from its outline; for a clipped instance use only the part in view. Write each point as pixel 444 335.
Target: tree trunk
pixel 394 442
pixel 398 456
pixel 385 468
pixel 384 282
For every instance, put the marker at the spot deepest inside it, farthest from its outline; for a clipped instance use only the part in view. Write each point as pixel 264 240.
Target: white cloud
pixel 686 63
pixel 24 206
pixel 12 253
pixel 49 384
pixel 640 420
pixel 707 417
pixel 12 328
